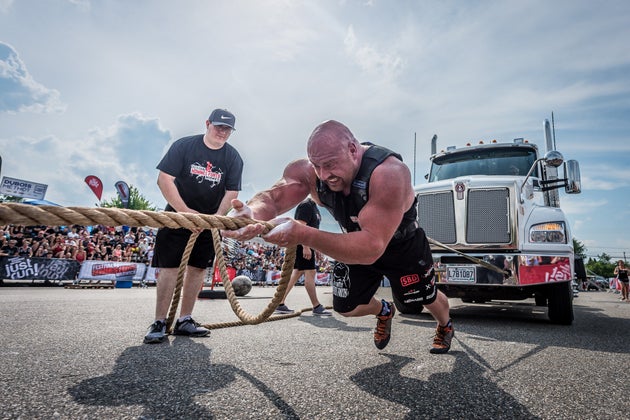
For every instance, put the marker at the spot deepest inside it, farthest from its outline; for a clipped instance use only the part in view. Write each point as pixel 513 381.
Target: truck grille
pixel 487 219
pixel 436 215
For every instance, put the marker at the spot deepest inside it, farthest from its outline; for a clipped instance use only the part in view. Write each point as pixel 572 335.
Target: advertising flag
pixel 123 192
pixel 95 185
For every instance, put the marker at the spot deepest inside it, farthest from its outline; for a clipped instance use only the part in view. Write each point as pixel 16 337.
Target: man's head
pixel 219 126
pixel 335 155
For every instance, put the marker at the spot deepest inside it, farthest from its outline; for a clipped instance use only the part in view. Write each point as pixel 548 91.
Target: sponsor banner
pixel 21 188
pixel 322 279
pixel 533 271
pixel 123 192
pixel 112 270
pixel 21 268
pixel 95 185
pixel 273 277
pixel 151 275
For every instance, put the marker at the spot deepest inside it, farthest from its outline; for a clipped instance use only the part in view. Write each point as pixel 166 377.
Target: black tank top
pixel 345 209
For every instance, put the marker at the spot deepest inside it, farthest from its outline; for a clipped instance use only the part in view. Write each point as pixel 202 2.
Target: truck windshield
pixel 509 161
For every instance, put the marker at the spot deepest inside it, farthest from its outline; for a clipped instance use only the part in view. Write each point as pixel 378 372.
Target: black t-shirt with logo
pixel 202 175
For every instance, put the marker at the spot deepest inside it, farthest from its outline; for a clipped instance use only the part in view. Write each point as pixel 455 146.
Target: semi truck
pixel 493 218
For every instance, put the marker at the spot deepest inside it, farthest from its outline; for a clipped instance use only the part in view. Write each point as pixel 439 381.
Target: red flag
pixel 123 192
pixel 95 185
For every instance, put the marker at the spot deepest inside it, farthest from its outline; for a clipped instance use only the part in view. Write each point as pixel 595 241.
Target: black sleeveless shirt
pixel 345 209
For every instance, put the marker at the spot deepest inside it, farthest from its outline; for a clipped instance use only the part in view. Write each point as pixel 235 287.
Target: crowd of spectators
pixel 102 243
pixel 78 242
pixel 255 259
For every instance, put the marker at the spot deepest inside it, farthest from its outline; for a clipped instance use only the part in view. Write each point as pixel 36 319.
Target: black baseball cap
pixel 222 117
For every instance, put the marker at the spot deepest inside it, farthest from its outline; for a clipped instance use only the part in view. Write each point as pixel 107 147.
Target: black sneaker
pixel 283 309
pixel 442 339
pixel 156 333
pixel 321 311
pixel 190 328
pixel 383 331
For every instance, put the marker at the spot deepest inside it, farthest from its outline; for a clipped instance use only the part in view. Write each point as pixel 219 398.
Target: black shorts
pixel 302 263
pixel 407 265
pixel 170 245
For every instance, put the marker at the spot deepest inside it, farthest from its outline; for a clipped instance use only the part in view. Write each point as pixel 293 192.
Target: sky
pixel 104 87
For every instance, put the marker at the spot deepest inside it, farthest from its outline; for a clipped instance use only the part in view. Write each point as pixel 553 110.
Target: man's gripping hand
pixel 240 209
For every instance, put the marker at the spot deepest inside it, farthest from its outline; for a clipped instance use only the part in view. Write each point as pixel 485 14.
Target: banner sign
pixel 22 188
pixel 151 276
pixel 123 192
pixel 111 270
pixel 21 268
pixel 322 279
pixel 95 185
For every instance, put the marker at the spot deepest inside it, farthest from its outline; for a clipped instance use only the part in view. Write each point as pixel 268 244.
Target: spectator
pixel 25 250
pixel 10 249
pixel 622 277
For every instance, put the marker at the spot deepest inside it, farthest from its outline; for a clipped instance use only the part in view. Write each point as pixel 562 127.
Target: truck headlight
pixel 548 232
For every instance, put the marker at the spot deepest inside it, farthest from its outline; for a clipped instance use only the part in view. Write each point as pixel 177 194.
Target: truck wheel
pixel 560 303
pixel 407 308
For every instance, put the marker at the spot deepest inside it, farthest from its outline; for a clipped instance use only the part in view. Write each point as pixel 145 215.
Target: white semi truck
pixel 492 214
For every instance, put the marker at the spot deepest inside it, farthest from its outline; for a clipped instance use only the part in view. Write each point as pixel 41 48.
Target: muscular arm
pixel 391 194
pixel 297 181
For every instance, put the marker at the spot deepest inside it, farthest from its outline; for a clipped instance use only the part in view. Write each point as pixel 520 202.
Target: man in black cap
pixel 198 174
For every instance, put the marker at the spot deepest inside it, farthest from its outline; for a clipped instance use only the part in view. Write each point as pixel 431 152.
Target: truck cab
pixel 493 217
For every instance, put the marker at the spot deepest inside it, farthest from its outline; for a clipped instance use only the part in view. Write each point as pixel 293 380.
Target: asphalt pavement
pixel 78 354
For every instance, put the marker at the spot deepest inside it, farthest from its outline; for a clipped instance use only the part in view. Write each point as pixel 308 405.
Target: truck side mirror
pixel 553 158
pixel 572 174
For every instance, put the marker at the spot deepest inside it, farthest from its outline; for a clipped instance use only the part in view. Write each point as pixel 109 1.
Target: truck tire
pixel 407 308
pixel 560 303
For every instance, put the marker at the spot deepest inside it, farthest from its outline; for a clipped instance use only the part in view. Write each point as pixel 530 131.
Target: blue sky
pixel 103 87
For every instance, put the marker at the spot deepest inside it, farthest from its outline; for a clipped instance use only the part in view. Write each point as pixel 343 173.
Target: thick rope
pixel 246 318
pixel 27 215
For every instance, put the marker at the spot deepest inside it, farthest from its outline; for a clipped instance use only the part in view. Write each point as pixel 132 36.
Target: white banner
pixel 151 276
pixel 21 188
pixel 111 270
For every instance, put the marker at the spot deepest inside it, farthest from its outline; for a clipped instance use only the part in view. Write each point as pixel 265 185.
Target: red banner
pixel 95 185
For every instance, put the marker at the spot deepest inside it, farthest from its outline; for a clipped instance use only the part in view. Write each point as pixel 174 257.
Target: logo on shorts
pixel 409 280
pixel 341 280
pixel 411 292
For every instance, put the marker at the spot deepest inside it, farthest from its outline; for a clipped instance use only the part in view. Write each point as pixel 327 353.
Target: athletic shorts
pixel 407 265
pixel 170 245
pixel 302 263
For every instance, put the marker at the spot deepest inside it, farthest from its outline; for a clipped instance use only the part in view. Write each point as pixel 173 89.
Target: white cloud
pixel 5 5
pixel 369 59
pixel 20 92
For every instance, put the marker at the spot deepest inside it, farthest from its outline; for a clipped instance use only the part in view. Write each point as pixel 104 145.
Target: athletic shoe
pixel 191 328
pixel 321 311
pixel 156 333
pixel 442 339
pixel 383 331
pixel 284 309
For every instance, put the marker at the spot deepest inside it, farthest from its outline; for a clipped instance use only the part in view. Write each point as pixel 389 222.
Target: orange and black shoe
pixel 383 330
pixel 442 339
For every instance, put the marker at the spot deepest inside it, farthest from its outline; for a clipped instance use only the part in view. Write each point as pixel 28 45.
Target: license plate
pixel 461 273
